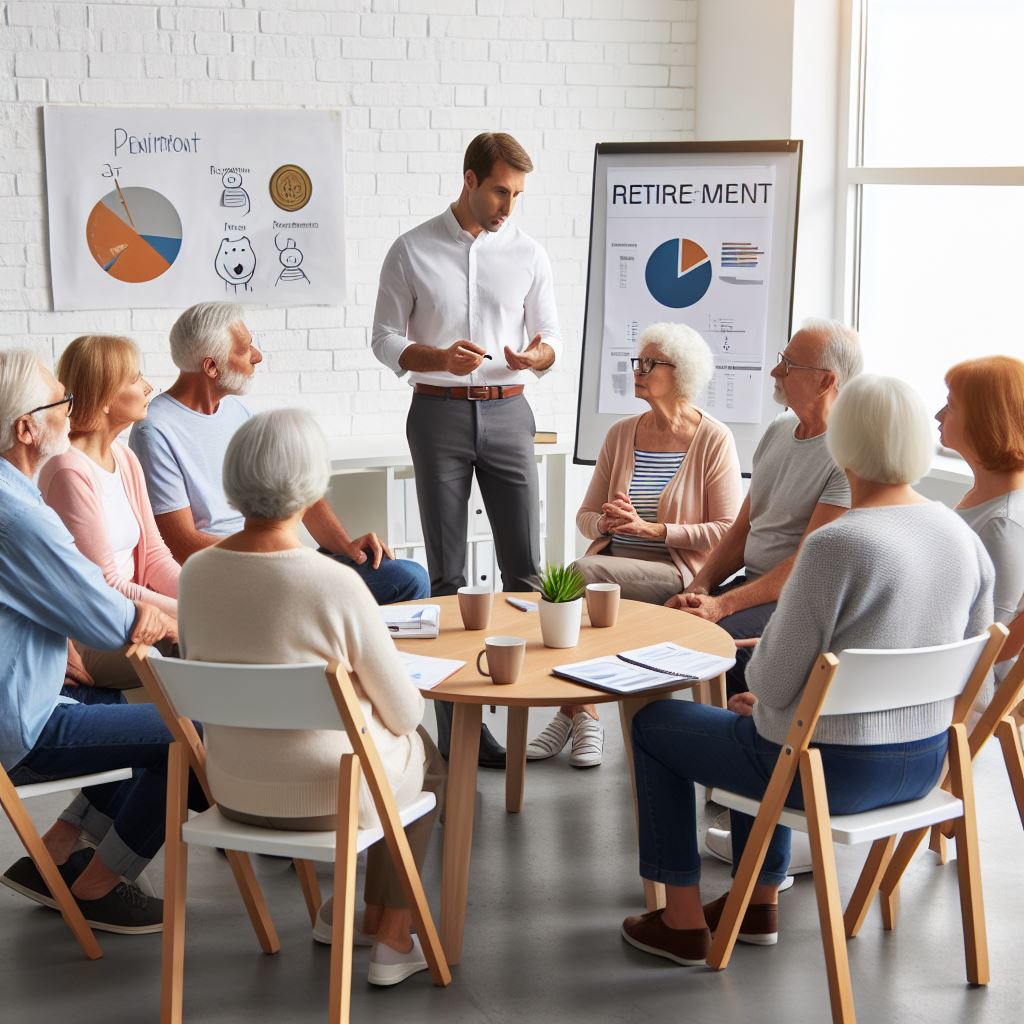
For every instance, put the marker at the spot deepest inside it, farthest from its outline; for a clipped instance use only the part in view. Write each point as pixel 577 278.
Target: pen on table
pixel 523 606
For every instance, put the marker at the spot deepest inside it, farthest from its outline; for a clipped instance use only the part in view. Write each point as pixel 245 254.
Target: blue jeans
pixel 396 579
pixel 677 743
pixel 99 733
pixel 742 626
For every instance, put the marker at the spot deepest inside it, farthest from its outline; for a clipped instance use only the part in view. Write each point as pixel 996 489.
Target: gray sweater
pixel 895 577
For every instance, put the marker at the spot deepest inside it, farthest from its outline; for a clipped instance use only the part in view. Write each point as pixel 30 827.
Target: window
pixel 932 185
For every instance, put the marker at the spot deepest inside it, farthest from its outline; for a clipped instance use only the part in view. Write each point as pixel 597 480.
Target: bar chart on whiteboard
pixel 691 251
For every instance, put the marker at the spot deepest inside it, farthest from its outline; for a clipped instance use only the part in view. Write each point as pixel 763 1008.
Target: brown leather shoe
pixel 760 925
pixel 686 946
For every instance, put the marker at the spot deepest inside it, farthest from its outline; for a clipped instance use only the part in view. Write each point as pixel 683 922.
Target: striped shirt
pixel 652 473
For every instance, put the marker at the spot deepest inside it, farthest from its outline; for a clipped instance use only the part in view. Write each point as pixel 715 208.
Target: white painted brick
pixel 283 46
pixel 373 49
pixel 332 381
pixel 200 92
pixel 380 26
pixel 212 42
pixel 190 19
pixel 113 91
pixel 63 90
pixel 290 70
pixel 536 74
pixel 242 21
pixel 470 72
pixel 168 42
pixel 342 70
pixel 294 23
pixel 50 65
pixel 233 67
pixel 123 16
pixel 463 28
pixel 32 90
pixel 558 28
pixel 404 71
pixel 115 65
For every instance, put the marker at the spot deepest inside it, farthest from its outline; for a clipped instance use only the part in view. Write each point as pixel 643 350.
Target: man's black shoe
pixel 492 753
pixel 126 910
pixel 23 876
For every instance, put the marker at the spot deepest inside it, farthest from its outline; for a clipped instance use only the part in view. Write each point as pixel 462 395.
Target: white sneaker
pixel 718 842
pixel 325 921
pixel 552 740
pixel 389 967
pixel 587 741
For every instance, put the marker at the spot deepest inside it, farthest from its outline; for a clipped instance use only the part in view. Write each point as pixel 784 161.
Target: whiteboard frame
pixel 787 156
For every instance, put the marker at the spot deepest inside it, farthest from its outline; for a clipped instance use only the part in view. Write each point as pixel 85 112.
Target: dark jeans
pixel 678 743
pixel 396 579
pixel 742 626
pixel 99 733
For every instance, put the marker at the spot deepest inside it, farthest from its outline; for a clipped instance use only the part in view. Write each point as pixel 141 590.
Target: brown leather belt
pixel 480 393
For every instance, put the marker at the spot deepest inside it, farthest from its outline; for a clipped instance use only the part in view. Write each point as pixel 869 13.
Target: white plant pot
pixel 560 622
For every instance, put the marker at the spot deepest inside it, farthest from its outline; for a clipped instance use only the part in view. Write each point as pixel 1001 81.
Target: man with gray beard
pixel 795 487
pixel 181 446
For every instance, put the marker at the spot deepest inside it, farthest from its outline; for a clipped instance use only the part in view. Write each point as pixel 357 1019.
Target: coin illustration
pixel 290 187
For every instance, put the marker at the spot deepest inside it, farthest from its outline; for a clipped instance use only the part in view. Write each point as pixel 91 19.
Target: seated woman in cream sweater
pixel 867 580
pixel 665 491
pixel 260 596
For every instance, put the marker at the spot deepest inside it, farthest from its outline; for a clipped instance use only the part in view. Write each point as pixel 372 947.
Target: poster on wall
pixel 689 248
pixel 166 208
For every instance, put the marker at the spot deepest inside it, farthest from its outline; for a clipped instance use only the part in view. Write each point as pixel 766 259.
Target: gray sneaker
pixel 126 910
pixel 23 877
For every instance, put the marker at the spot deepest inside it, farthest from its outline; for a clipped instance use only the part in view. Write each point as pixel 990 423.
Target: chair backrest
pixel 869 681
pixel 251 696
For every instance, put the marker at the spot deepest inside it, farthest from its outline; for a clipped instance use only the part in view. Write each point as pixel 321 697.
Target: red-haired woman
pixel 983 420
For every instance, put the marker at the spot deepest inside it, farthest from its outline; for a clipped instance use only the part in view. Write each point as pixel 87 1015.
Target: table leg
pixel 654 892
pixel 515 759
pixel 458 825
pixel 718 692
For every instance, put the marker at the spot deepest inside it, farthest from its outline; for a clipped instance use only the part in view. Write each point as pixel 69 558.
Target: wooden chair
pixel 859 682
pixel 278 697
pixel 885 867
pixel 11 798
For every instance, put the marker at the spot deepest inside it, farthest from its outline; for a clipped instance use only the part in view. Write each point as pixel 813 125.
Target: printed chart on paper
pixel 164 208
pixel 689 247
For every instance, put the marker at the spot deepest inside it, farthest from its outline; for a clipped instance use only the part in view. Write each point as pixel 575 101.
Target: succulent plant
pixel 560 584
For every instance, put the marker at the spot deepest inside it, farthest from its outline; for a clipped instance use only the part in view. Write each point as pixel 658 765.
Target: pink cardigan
pixel 699 504
pixel 69 486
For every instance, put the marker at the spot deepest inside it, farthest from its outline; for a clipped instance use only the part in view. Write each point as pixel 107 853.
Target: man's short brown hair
pixel 490 147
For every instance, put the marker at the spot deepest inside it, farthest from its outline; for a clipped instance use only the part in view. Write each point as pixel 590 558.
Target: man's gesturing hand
pixel 536 356
pixel 463 357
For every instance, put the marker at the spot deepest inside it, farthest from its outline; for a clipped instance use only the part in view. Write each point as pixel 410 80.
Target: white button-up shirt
pixel 439 284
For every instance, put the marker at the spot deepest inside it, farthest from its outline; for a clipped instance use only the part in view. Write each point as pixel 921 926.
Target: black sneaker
pixel 23 876
pixel 126 910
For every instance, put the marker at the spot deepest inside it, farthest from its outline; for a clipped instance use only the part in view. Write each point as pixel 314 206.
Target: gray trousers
pixel 450 438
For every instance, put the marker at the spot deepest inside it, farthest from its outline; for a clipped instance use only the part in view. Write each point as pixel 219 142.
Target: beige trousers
pixel 113 670
pixel 383 887
pixel 641 579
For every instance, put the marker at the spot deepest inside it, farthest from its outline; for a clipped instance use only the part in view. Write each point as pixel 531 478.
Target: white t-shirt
pixel 122 526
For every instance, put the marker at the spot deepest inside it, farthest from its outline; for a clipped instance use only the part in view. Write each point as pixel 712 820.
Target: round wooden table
pixel 638 625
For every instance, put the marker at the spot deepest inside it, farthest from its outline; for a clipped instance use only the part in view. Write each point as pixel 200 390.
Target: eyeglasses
pixel 644 364
pixel 68 399
pixel 788 364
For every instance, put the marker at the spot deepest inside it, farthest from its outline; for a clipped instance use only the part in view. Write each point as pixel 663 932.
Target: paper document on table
pixel 412 620
pixel 646 668
pixel 426 672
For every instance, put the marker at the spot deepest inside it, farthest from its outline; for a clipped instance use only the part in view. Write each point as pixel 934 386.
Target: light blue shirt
pixel 48 592
pixel 182 454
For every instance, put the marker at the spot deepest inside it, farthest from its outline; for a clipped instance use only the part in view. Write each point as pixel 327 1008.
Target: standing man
pixel 466 307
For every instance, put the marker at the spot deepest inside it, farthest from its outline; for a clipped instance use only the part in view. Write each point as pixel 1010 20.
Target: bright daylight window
pixel 934 200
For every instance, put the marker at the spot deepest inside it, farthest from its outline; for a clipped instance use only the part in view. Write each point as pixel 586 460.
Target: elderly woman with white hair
pixel 665 490
pixel 866 580
pixel 260 596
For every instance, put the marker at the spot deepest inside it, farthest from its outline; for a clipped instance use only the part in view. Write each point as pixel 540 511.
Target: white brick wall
pixel 416 78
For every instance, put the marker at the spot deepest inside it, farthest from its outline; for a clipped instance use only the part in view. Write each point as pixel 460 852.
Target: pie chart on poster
pixel 678 273
pixel 134 234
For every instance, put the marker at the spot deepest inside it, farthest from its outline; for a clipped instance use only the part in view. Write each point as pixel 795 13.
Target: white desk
pixel 373 488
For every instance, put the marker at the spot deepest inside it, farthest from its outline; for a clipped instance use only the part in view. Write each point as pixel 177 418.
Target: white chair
pixel 11 798
pixel 860 682
pixel 313 696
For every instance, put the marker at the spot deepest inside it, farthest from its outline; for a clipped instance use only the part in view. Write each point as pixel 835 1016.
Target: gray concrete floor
pixel 548 890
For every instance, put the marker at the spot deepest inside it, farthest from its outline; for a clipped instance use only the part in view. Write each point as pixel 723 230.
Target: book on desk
pixel 646 668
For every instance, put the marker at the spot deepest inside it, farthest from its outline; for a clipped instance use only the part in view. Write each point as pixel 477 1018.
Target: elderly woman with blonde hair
pixel 665 491
pixel 261 597
pixel 98 489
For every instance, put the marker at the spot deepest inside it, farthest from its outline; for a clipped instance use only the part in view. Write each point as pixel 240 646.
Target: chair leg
pixel 1010 742
pixel 826 886
pixel 972 906
pixel 898 863
pixel 34 846
pixel 175 887
pixel 340 993
pixel 306 873
pixel 938 845
pixel 515 759
pixel 867 885
pixel 255 904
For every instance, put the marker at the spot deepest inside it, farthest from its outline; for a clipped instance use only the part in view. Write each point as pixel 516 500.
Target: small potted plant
pixel 561 589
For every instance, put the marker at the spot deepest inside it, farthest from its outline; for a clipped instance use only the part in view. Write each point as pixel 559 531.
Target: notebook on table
pixel 646 668
pixel 412 620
